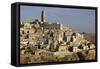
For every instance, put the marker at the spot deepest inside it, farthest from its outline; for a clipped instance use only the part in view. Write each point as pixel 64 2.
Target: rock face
pixel 52 42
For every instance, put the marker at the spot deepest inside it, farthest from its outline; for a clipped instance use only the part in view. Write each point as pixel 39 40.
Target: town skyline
pixel 82 20
pixel 43 41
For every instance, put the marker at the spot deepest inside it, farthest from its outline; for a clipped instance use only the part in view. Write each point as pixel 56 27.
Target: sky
pixel 82 20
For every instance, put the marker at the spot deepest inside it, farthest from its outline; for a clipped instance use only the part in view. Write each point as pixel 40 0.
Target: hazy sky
pixel 82 20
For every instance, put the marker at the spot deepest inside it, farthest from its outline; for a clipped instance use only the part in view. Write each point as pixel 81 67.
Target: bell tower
pixel 43 16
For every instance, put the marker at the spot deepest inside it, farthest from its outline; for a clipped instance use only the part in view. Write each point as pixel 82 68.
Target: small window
pixel 23 32
pixel 27 31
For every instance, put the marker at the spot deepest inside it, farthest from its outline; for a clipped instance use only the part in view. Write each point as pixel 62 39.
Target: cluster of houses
pixel 43 38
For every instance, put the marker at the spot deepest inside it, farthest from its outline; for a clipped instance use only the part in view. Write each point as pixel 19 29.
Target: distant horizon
pixel 82 20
